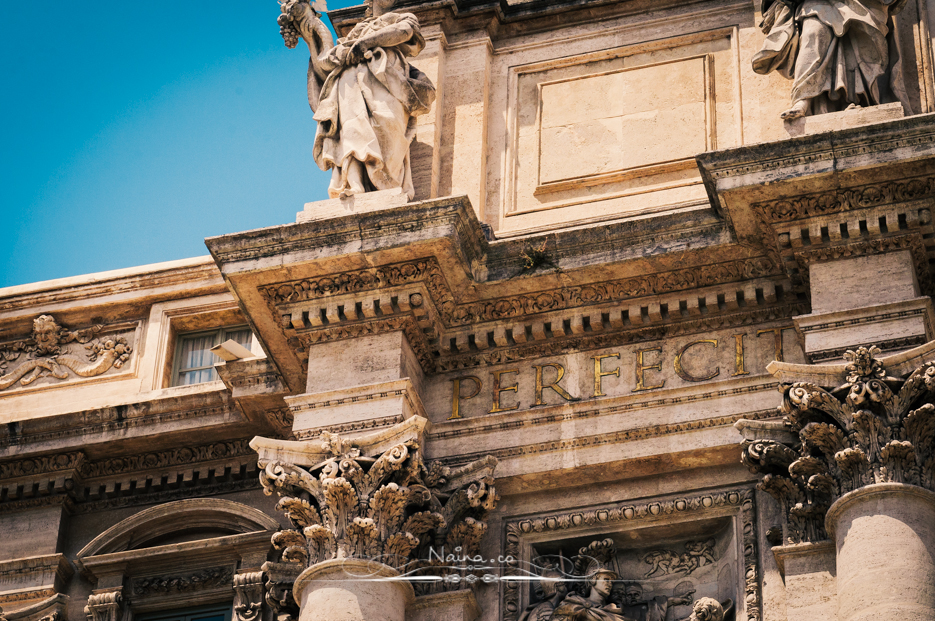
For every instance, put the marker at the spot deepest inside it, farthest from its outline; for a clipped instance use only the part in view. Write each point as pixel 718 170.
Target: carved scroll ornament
pixel 874 428
pixel 389 506
pixel 45 354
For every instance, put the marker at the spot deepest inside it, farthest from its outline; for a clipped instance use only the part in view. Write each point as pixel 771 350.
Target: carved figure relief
pixel 873 428
pixel 45 353
pixel 664 562
pixel 839 53
pixel 594 590
pixel 364 93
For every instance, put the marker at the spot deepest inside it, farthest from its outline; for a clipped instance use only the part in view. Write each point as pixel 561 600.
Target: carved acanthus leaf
pixel 390 507
pixel 857 434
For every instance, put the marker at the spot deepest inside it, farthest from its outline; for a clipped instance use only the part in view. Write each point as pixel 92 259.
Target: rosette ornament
pixel 374 498
pixel 878 426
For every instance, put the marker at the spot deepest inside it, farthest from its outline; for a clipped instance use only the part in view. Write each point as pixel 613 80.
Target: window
pixel 214 613
pixel 194 363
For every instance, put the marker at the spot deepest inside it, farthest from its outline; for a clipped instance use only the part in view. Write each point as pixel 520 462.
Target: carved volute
pixel 374 498
pixel 845 427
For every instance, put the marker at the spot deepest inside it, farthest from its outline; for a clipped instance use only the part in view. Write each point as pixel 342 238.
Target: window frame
pixel 186 614
pixel 220 334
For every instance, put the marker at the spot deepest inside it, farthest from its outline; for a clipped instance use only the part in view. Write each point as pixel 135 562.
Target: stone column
pixel 853 462
pixel 328 591
pixel 366 510
pixel 885 540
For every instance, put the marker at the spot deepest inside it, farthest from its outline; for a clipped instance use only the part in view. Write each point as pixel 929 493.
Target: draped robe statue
pixel 364 93
pixel 840 53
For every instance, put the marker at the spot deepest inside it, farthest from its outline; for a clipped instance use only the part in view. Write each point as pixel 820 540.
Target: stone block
pixel 356 204
pixel 809 572
pixel 836 121
pixel 892 327
pixel 861 281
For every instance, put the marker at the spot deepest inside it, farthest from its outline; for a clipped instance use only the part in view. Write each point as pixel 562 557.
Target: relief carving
pixel 183 583
pixel 46 354
pixel 837 52
pixel 871 195
pixel 364 93
pixel 873 428
pixel 594 590
pixel 636 596
pixel 664 562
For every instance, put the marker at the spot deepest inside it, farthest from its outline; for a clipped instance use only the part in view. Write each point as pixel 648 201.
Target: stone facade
pixel 543 388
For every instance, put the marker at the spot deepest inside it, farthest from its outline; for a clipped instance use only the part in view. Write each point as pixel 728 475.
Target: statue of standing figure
pixel 840 53
pixel 364 93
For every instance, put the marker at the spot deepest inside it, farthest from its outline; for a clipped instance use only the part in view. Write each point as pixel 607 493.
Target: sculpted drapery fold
pixel 839 53
pixel 365 96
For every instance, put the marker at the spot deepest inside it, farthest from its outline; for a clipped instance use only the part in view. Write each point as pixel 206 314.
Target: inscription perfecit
pixel 636 369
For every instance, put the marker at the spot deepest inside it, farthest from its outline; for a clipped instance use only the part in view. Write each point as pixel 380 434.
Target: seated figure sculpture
pixel 840 53
pixel 364 93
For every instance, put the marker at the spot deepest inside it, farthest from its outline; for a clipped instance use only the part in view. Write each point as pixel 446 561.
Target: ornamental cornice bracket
pixel 845 426
pixel 375 498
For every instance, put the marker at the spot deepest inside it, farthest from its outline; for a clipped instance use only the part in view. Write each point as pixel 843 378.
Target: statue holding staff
pixel 364 93
pixel 839 53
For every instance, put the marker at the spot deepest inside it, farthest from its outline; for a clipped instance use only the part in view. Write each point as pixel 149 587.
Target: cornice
pixel 137 281
pixel 97 426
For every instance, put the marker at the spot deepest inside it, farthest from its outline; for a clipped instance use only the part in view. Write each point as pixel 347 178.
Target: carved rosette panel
pixel 390 508
pixel 874 428
pixel 59 353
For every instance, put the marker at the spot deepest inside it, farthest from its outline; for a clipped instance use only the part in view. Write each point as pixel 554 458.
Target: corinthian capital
pixel 373 497
pixel 869 420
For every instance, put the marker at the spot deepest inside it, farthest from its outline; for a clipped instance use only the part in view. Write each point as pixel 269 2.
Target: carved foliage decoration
pixel 428 272
pixel 44 353
pixel 862 197
pixel 872 429
pixel 184 582
pixel 390 508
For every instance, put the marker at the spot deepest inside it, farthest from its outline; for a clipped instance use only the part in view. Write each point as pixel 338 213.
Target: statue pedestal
pixel 356 204
pixel 836 121
pixel 885 539
pixel 351 590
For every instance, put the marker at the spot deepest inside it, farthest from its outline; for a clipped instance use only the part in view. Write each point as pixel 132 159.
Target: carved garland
pixel 214 577
pixel 742 499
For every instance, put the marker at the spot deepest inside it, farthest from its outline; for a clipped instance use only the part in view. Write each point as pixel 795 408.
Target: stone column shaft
pixel 885 539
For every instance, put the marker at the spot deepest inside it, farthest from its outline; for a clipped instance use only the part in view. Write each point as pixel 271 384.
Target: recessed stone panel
pixel 617 121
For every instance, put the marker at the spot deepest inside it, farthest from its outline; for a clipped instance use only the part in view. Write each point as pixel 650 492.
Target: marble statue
pixel 364 93
pixel 840 53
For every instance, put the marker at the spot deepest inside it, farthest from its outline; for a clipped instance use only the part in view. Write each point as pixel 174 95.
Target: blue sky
pixel 133 130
